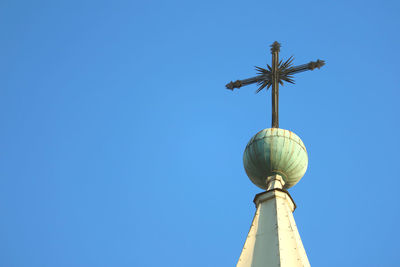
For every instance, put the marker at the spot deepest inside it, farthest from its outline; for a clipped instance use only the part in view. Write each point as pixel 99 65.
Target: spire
pixel 275 160
pixel 273 239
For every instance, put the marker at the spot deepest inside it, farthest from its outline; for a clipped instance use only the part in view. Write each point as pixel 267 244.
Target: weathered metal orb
pixel 275 151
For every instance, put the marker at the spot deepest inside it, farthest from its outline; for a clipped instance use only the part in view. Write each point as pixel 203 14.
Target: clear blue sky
pixel 119 145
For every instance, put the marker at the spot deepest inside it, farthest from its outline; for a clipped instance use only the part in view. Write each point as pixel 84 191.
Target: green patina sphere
pixel 275 151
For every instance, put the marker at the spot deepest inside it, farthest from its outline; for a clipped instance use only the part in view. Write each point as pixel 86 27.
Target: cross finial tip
pixel 233 85
pixel 275 47
pixel 320 63
pixel 316 64
pixel 229 86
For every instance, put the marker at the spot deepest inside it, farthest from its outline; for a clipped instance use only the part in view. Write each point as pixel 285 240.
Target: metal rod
pixel 275 85
pixel 304 67
pixel 240 83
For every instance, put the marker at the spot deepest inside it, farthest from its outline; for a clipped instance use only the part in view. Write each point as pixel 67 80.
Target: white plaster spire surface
pixel 273 239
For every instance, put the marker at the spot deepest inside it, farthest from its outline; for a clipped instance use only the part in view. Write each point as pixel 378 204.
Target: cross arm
pixel 309 66
pixel 239 83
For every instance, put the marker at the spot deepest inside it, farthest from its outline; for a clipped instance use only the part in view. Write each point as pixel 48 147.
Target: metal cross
pixel 275 75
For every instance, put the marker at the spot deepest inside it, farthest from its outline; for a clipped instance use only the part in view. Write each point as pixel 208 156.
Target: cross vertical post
pixel 275 48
